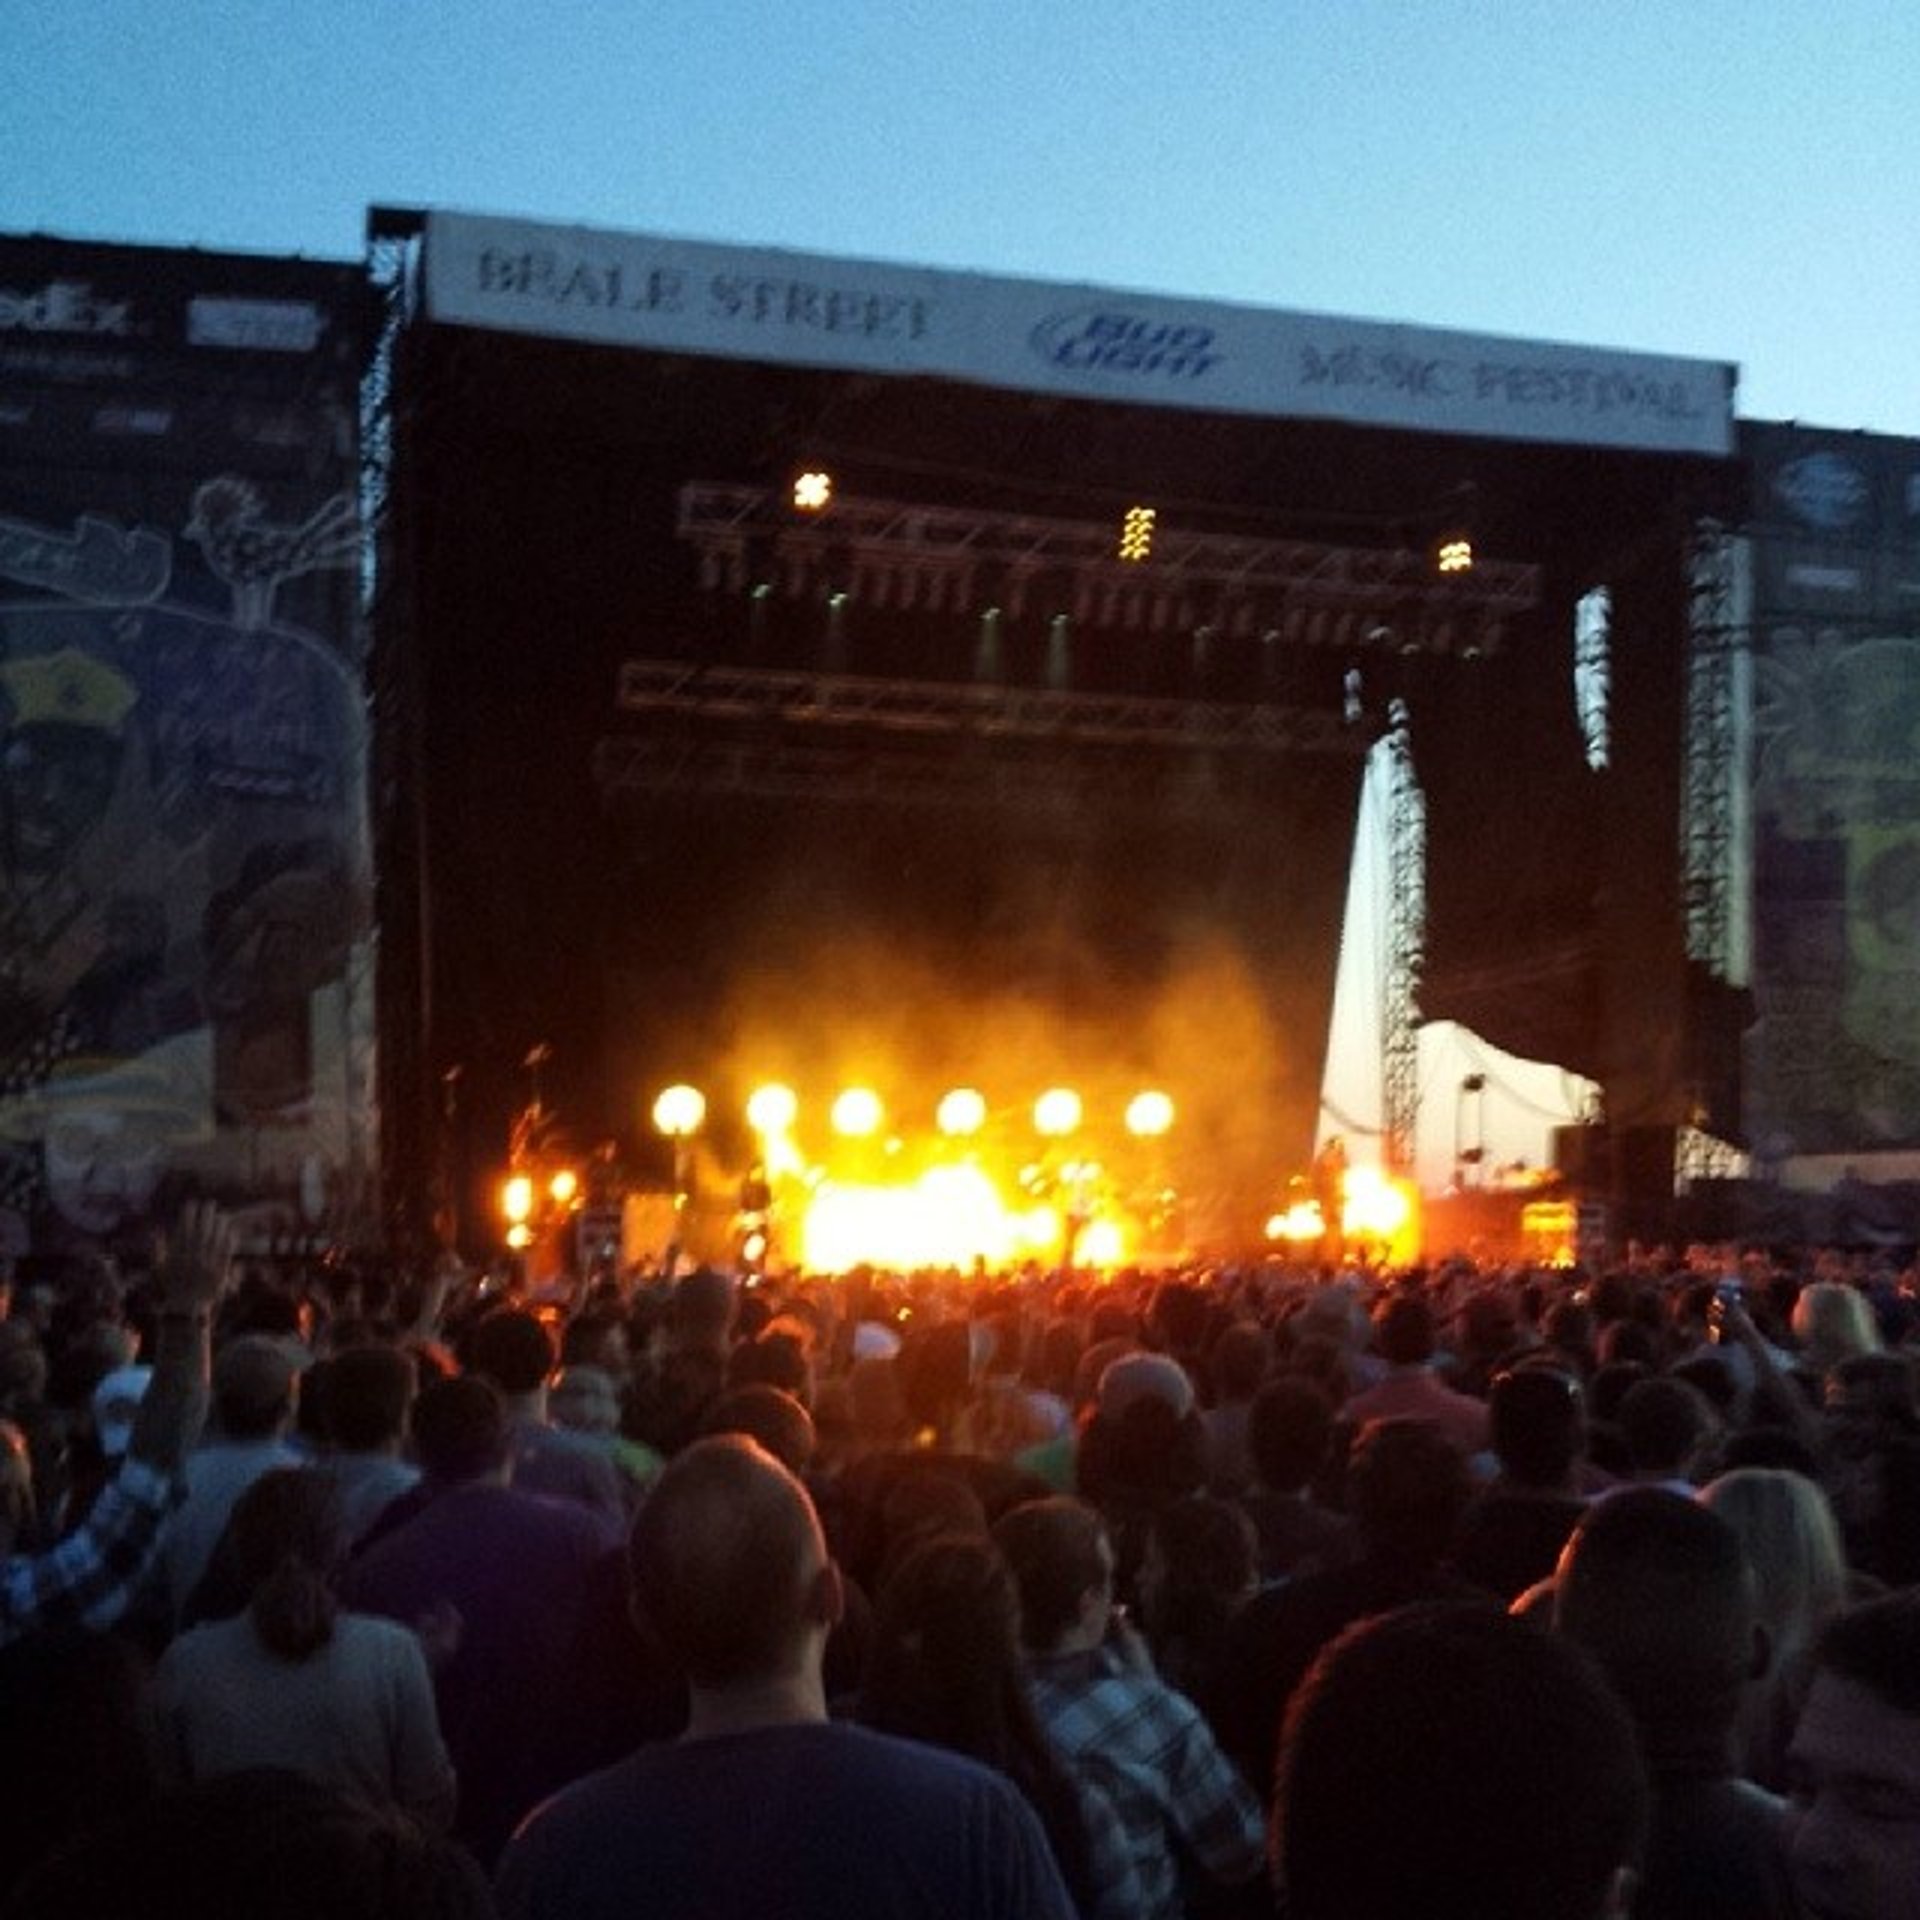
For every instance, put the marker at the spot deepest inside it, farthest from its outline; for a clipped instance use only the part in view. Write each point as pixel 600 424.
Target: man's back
pixel 815 1821
pixel 1413 1393
pixel 509 1561
pixel 561 1465
pixel 217 1473
pixel 1718 1846
pixel 515 1569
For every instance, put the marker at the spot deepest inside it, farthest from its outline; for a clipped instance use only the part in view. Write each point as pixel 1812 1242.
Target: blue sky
pixel 1739 181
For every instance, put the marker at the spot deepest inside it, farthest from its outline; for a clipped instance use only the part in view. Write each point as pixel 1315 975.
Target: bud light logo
pixel 1106 340
pixel 1823 490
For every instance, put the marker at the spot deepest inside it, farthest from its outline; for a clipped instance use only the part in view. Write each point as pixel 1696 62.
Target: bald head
pixel 728 1566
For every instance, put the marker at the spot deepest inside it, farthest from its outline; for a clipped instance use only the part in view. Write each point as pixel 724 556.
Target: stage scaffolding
pixel 1405 946
pixel 1365 603
pixel 1706 825
pixel 914 556
pixel 1715 636
pixel 417 1186
pixel 850 739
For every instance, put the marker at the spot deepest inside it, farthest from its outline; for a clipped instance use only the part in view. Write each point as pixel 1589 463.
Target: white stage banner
pixel 1088 343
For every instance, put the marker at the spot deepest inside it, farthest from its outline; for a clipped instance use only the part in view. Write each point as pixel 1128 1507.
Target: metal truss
pixel 1706 828
pixel 394 242
pixel 1704 1156
pixel 1406 931
pixel 871 774
pixel 988 712
pixel 911 556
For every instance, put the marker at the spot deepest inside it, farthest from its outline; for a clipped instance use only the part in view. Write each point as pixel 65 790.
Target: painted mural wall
pixel 185 882
pixel 1833 1064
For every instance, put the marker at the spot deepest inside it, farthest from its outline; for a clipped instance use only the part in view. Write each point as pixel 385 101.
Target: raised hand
pixel 194 1259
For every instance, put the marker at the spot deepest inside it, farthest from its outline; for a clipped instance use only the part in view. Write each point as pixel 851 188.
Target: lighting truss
pixel 1712 755
pixel 889 553
pixel 1014 714
pixel 1406 933
pixel 872 774
pixel 845 738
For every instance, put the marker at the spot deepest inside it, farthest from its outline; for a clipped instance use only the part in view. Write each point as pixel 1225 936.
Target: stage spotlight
pixel 961 1112
pixel 1453 553
pixel 1136 534
pixel 1149 1114
pixel 857 1113
pixel 1057 1112
pixel 563 1186
pixel 771 1109
pixel 679 1111
pixel 812 491
pixel 516 1199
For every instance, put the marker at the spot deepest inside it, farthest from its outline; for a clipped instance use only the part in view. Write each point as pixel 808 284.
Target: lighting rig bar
pixel 1014 714
pixel 846 738
pixel 876 775
pixel 943 559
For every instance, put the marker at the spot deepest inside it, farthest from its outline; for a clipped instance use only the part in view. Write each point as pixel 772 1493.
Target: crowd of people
pixel 1460 1590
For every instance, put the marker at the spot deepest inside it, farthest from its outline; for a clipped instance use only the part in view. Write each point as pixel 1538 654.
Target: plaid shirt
pixel 1146 1747
pixel 91 1575
pixel 1116 1880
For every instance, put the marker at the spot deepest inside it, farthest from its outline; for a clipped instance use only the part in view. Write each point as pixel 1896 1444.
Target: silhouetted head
pixel 1538 1424
pixel 459 1430
pixel 1445 1762
pixel 1659 1590
pixel 1406 1488
pixel 1060 1554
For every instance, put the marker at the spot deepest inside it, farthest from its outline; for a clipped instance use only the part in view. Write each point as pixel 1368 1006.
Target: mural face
pixel 57 781
pixel 104 1152
pixel 185 982
pixel 1837 893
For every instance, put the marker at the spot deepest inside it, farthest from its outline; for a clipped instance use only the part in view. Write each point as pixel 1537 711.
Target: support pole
pixel 1405 943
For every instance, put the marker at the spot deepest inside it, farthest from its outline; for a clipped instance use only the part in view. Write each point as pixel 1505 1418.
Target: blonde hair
pixel 1792 1540
pixel 1833 1322
pixel 1793 1545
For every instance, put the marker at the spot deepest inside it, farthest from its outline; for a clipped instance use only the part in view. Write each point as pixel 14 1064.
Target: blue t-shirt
pixel 810 1822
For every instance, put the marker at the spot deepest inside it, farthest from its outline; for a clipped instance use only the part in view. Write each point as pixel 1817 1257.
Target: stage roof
pixel 673 295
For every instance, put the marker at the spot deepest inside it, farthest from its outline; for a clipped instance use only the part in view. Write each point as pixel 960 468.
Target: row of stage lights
pixel 857 1113
pixel 1372 1206
pixel 529 1196
pixel 812 494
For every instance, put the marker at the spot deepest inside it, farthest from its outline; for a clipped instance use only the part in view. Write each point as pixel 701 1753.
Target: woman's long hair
pixel 945 1667
pixel 289 1541
pixel 1793 1543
